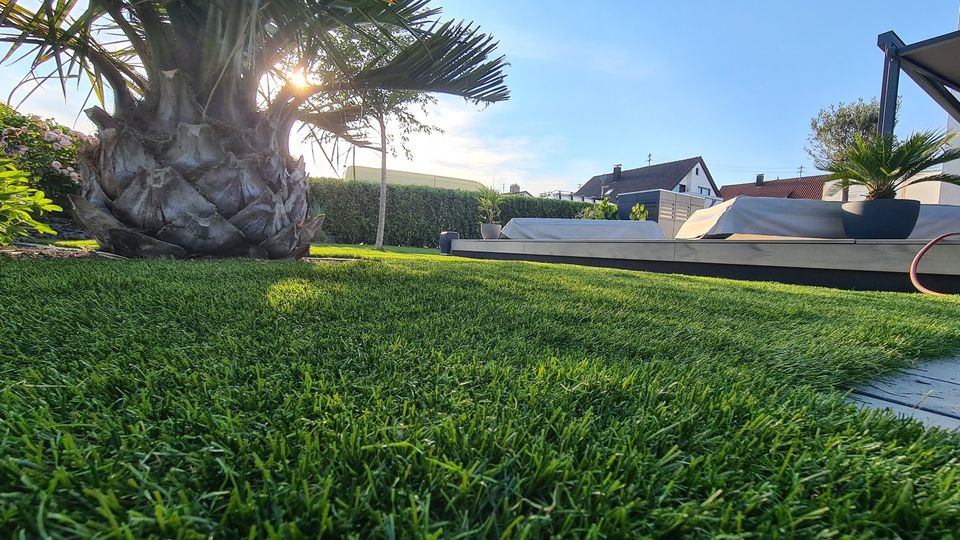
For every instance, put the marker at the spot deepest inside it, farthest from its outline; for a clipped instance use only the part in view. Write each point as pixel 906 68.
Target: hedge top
pixel 416 215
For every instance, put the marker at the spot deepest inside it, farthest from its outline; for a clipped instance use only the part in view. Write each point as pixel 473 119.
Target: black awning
pixel 934 64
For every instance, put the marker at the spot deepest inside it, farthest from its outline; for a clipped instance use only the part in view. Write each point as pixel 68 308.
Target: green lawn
pixel 412 396
pixel 81 244
pixel 318 250
pixel 367 252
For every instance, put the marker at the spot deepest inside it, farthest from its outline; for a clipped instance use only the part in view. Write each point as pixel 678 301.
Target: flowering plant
pixel 44 150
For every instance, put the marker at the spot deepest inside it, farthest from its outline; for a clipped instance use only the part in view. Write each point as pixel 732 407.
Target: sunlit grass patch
pixel 80 244
pixel 368 252
pixel 286 295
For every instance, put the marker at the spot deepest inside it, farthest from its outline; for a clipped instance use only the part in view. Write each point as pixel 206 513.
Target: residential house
pixel 808 187
pixel 684 176
pixel 671 192
pixel 564 195
pixel 515 190
pixel 815 187
pixel 925 192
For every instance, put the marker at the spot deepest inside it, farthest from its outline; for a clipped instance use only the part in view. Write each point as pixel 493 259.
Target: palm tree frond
pixel 339 122
pixel 453 58
pixel 57 33
pixel 945 178
pixel 884 165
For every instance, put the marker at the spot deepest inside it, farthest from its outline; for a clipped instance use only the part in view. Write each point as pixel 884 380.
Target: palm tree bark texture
pixel 194 159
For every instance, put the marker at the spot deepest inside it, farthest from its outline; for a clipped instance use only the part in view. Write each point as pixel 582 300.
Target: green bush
pixel 639 212
pixel 415 214
pixel 20 204
pixel 43 149
pixel 602 210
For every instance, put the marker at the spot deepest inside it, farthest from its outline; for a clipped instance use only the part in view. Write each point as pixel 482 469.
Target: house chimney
pixel 759 179
pixel 514 188
pixel 617 169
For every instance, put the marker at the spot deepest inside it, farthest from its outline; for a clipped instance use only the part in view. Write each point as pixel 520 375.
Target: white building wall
pixel 926 192
pixel 695 180
pixel 949 193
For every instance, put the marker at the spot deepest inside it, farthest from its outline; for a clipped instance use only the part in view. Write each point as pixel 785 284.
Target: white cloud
pixel 48 100
pixel 581 55
pixel 474 144
pixel 467 148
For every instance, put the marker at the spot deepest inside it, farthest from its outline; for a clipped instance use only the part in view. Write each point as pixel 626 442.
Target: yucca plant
pixel 194 158
pixel 488 204
pixel 883 164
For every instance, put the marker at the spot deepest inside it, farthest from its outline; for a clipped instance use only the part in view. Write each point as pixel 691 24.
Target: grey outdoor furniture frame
pixel 932 64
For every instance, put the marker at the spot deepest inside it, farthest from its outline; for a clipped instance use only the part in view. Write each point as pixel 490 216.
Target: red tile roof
pixel 808 187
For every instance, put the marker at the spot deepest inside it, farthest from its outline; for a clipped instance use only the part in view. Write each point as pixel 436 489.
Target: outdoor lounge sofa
pixel 799 218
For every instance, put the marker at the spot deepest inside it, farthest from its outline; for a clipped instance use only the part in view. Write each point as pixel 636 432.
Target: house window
pixel 698 171
pixel 704 190
pixel 682 188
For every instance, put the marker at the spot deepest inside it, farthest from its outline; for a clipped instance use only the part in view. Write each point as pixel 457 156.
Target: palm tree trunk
pixel 164 180
pixel 382 215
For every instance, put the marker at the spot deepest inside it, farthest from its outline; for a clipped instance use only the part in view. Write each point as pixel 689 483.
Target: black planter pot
pixel 446 241
pixel 880 218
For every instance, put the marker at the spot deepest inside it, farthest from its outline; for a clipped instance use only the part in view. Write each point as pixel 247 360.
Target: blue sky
pixel 611 81
pixel 603 82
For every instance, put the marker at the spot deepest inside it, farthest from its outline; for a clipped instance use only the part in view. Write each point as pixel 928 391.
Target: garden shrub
pixel 20 204
pixel 518 206
pixel 415 214
pixel 44 150
pixel 639 212
pixel 602 210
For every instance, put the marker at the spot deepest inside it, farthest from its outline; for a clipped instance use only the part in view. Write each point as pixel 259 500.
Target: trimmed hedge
pixel 519 206
pixel 415 214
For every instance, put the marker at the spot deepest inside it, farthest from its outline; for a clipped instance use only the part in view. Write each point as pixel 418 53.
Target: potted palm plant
pixel 488 202
pixel 883 165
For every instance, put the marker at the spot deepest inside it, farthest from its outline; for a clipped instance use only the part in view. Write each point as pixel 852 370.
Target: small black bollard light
pixel 446 241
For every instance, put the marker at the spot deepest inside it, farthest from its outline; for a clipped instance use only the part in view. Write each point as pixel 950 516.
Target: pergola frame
pixel 929 77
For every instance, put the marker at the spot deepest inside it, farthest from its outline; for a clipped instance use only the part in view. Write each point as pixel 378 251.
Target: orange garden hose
pixel 916 263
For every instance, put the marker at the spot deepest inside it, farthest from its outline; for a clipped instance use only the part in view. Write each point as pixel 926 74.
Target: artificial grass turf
pixel 317 250
pixel 368 252
pixel 79 244
pixel 427 396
